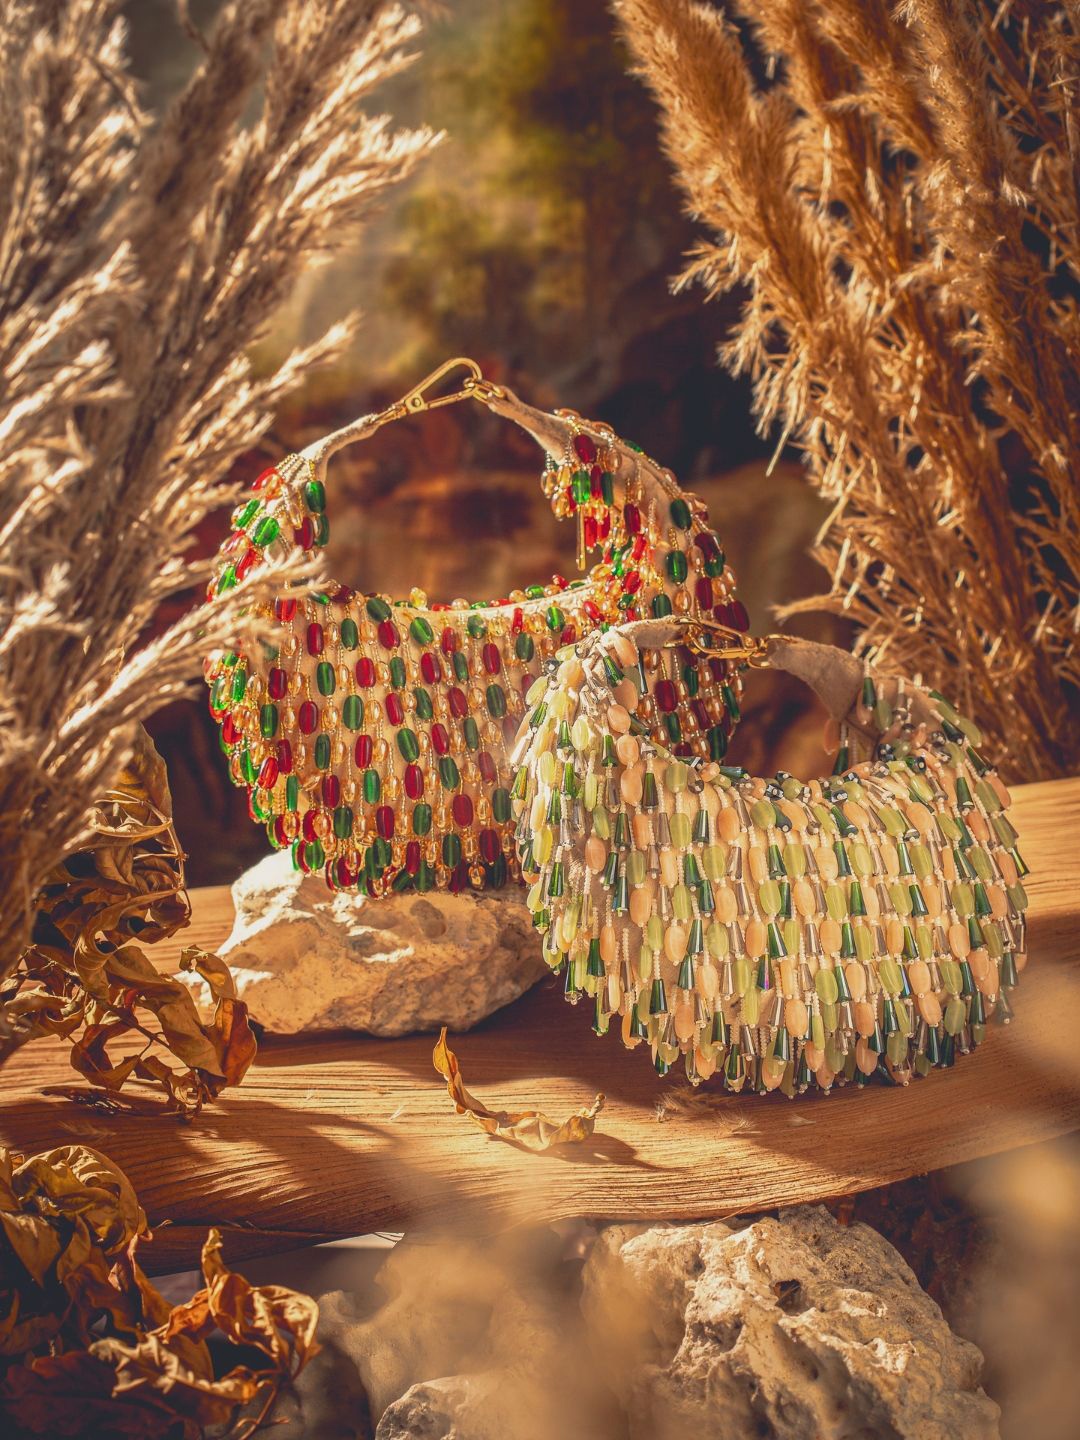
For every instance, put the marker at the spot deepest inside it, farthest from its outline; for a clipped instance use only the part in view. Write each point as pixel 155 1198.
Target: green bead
pixel 315 855
pixel 292 792
pixel 325 679
pixel 679 824
pixel 451 850
pixel 500 804
pixel 424 708
pixel 448 772
pixel 315 496
pixel 343 822
pixel 496 701
pixel 680 513
pixel 676 777
pixel 372 786
pixel 470 732
pixel 421 818
pixel 524 648
pixel 476 625
pixel 349 634
pixel 555 618
pixel 227 580
pixel 660 606
pixel 239 684
pixel 322 752
pixel 352 712
pixel 825 984
pixel 461 666
pixel 421 631
pixel 677 567
pixel 377 608
pixel 267 531
pixel 769 897
pixel 397 672
pixel 268 721
pixel 762 814
pixel 408 744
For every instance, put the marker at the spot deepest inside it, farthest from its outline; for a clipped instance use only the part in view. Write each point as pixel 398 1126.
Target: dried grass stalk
pixel 899 199
pixel 138 263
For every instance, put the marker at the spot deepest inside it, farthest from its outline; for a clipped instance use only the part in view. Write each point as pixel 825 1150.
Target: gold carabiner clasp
pixel 416 400
pixel 750 649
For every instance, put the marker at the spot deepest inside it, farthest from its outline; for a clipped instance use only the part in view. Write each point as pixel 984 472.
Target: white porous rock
pixel 307 958
pixel 796 1328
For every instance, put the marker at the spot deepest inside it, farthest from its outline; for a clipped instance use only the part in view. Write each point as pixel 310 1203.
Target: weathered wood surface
pixel 345 1135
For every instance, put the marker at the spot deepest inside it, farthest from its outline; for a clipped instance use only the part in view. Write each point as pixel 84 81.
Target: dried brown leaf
pixel 529 1128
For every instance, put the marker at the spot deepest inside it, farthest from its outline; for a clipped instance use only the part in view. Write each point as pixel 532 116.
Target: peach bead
pixel 614 991
pixel 855 976
pixel 959 941
pixel 824 1076
pixel 918 974
pixel 641 901
pixel 863 1012
pixel 788 976
pixel 595 854
pixel 630 1041
pixel 919 816
pixel 929 1007
pixel 829 935
pixel 675 939
pixel 627 749
pixel 758 863
pixel 618 719
pixel 642 828
pixel 728 824
pixel 669 867
pixel 630 785
pixel 1007 867
pixel 802 897
pixel 826 863
pixel 872 903
pixel 726 909
pixel 625 650
pixel 815 1058
pixel 626 695
pixel 894 935
pixel 931 893
pixel 795 1017
pixel 891 861
pixel 795 813
pixel 684 1020
pixel 772 1072
pixel 707 980
pixel 1000 791
pixel 706 1064
pixel 754 938
pixel 999 904
pixel 608 945
pixel 976 823
pixel 865 1058
pixel 854 812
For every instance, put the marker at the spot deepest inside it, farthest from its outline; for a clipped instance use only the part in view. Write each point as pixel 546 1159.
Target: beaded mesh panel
pixel 777 934
pixel 371 734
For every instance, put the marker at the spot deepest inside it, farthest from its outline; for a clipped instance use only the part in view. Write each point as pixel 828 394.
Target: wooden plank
pixel 344 1135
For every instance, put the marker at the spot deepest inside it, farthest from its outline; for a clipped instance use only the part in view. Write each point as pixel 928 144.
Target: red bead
pixel 449 640
pixel 459 706
pixel 388 635
pixel 365 672
pixel 414 782
pixel 703 592
pixel 384 821
pixel 412 857
pixel 343 874
pixel 264 478
pixel 362 751
pixel 280 833
pixel 491 658
pixel 591 532
pixel 486 765
pixel 277 682
pixel 707 543
pixel 308 717
pixel 517 624
pixel 702 716
pixel 718 669
pixel 585 448
pixel 490 849
pixel 307 825
pixel 569 635
pixel 739 618
pixel 462 809
pixel 246 561
pixel 429 668
pixel 283 751
pixel 301 859
pixel 331 791
pixel 596 482
pixel 592 611
pixel 343 594
pixel 605 525
pixel 459 879
pixel 664 695
pixel 284 610
pixel 230 731
pixel 631 518
pixel 638 548
pixel 440 741
pixel 560 580
pixel 632 582
pixel 268 773
pixel 304 535
pixel 395 711
pixel 315 640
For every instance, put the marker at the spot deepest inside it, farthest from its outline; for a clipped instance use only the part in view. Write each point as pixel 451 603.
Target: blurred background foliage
pixel 541 240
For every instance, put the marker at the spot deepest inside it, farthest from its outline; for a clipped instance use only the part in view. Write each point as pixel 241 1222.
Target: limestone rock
pixel 305 958
pixel 796 1328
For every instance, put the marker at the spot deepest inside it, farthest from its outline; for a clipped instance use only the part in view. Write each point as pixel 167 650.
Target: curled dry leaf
pixel 86 980
pixel 89 1346
pixel 530 1128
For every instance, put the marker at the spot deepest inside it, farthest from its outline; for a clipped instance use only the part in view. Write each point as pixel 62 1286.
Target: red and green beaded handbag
pixel 372 734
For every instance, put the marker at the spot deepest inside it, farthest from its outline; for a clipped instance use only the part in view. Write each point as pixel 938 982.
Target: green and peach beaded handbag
pixel 776 933
pixel 371 733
